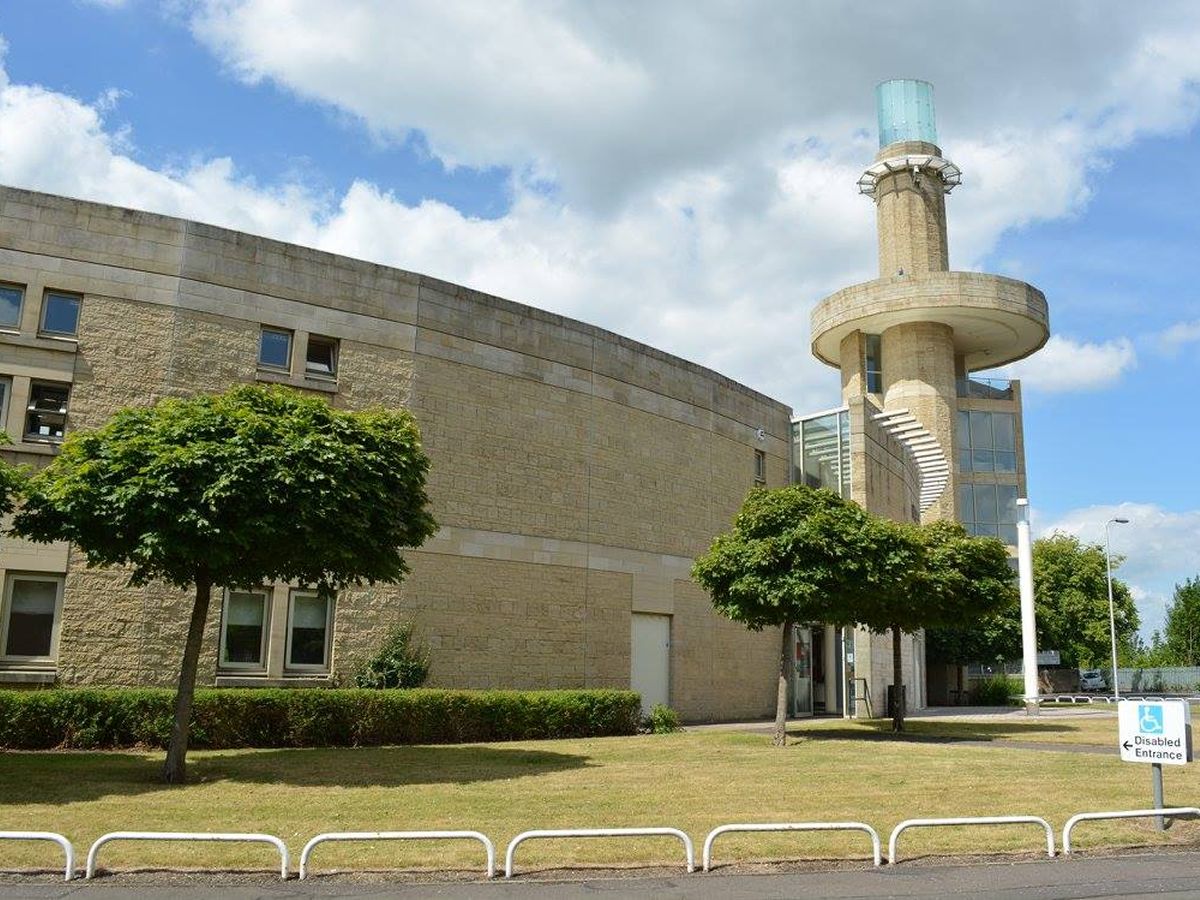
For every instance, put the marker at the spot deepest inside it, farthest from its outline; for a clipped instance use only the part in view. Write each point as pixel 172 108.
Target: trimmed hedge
pixel 86 718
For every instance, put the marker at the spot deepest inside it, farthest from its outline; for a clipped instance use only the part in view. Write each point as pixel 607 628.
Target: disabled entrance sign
pixel 1155 731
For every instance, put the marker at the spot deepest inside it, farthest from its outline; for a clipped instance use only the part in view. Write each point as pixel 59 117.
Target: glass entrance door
pixel 802 682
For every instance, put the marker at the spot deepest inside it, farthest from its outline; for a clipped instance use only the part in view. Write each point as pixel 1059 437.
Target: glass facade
pixel 821 451
pixel 989 510
pixel 987 442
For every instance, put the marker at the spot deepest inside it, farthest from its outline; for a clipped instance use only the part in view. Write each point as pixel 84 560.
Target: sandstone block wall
pixel 576 473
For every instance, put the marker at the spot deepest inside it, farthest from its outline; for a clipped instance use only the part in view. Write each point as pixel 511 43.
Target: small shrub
pixel 995 691
pixel 662 720
pixel 111 718
pixel 402 662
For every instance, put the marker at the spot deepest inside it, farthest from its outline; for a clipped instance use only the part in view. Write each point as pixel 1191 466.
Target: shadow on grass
pixel 932 732
pixel 50 777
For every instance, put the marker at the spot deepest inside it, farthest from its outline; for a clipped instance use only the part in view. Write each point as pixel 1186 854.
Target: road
pixel 1174 874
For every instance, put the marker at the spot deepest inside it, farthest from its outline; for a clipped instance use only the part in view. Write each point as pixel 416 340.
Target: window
pixel 244 630
pixel 5 393
pixel 989 510
pixel 60 314
pixel 275 349
pixel 46 415
pixel 821 451
pixel 31 611
pixel 874 368
pixel 321 356
pixel 987 442
pixel 11 296
pixel 308 630
pixel 760 466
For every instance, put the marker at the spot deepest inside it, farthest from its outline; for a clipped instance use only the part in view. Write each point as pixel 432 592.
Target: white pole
pixel 1028 621
pixel 1112 616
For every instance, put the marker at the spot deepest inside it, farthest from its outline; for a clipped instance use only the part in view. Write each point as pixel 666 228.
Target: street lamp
pixel 1112 616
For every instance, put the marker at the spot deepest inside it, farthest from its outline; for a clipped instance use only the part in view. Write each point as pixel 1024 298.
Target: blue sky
pixel 684 174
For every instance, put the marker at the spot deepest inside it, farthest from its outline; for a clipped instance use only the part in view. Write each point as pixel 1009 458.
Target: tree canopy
pixel 239 489
pixel 1181 636
pixel 797 554
pixel 12 481
pixel 1071 607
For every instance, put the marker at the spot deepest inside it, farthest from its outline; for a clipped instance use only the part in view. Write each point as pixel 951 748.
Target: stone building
pixel 575 473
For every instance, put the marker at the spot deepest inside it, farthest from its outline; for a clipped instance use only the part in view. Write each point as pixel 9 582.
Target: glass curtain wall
pixel 821 451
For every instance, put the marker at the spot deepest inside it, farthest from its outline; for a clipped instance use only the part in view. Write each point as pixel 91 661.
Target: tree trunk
pixel 897 682
pixel 175 768
pixel 781 691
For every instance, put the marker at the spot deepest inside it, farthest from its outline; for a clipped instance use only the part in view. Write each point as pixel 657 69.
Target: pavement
pixel 1156 874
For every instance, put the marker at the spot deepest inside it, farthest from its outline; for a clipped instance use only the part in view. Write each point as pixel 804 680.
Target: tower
pixel 907 341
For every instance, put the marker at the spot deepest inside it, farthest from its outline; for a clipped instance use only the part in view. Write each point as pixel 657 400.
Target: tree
pixel 1070 586
pixel 12 482
pixel 235 490
pixel 799 555
pixel 963 579
pixel 1182 637
pixel 1070 590
pixel 793 555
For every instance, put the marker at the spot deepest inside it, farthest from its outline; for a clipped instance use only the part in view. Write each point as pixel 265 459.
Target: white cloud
pixel 702 159
pixel 1065 364
pixel 1160 548
pixel 1171 340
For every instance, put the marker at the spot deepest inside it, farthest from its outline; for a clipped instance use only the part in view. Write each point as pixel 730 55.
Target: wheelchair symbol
pixel 1150 720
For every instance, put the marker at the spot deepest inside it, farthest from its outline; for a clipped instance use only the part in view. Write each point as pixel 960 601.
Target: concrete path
pixel 1174 874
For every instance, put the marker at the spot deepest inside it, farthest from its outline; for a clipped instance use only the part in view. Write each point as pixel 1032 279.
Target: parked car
pixel 1092 680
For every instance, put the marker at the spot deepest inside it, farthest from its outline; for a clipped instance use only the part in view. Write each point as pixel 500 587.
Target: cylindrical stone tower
pixel 908 339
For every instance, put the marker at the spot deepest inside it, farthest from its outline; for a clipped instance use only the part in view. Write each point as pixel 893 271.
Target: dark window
pixel 308 631
pixel 46 415
pixel 32 607
pixel 275 349
pixel 874 360
pixel 244 630
pixel 60 313
pixel 760 466
pixel 321 357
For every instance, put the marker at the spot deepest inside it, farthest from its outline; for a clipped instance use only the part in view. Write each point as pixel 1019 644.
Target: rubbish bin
pixel 891 698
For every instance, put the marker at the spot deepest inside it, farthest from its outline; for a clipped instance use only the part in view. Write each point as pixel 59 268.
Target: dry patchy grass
pixel 692 781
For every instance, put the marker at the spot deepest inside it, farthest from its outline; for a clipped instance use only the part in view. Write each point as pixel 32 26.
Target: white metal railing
pixel 69 870
pixel 399 836
pixel 689 850
pixel 187 836
pixel 970 820
pixel 1122 814
pixel 791 826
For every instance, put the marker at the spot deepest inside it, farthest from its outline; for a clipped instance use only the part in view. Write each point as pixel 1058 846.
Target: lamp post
pixel 1112 616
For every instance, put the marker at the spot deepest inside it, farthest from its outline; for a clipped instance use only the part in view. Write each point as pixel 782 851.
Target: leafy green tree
pixel 793 555
pixel 798 555
pixel 1070 588
pixel 235 490
pixel 1071 607
pixel 1182 638
pixel 934 574
pixel 12 482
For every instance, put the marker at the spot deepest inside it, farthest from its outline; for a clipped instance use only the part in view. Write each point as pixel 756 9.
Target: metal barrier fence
pixel 791 826
pixel 399 836
pixel 599 833
pixel 510 854
pixel 970 820
pixel 69 870
pixel 187 836
pixel 1122 814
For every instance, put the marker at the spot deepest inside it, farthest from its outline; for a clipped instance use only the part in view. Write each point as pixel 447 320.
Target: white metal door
pixel 650 658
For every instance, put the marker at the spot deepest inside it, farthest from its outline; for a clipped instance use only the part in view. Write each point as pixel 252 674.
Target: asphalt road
pixel 1175 874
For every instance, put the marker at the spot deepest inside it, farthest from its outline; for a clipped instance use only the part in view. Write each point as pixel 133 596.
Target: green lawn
pixel 692 781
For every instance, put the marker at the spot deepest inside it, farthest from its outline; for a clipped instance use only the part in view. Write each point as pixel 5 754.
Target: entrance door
pixel 650 659
pixel 802 682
